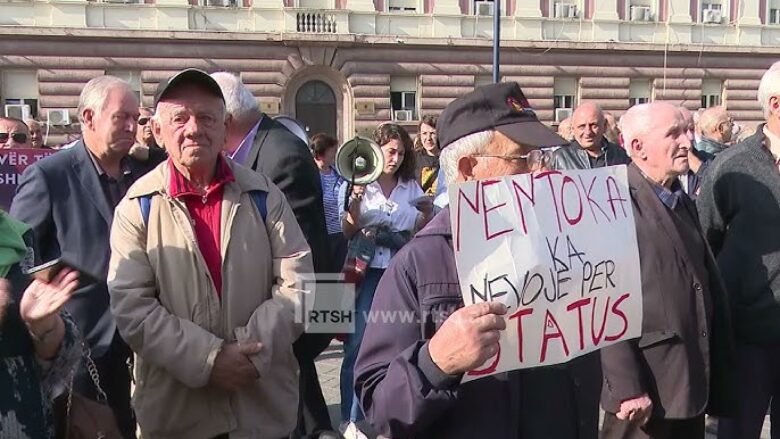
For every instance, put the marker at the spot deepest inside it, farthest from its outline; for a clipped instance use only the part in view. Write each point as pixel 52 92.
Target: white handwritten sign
pixel 559 249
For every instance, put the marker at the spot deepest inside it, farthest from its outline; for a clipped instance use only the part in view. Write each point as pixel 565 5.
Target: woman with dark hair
pixel 39 345
pixel 426 150
pixel 381 217
pixel 323 148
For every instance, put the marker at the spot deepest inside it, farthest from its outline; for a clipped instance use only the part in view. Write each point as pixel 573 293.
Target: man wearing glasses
pixel 408 374
pixel 14 134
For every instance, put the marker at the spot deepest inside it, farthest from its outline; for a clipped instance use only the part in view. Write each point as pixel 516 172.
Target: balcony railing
pixel 318 22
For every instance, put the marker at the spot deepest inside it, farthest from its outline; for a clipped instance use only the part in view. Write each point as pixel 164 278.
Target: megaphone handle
pixel 348 195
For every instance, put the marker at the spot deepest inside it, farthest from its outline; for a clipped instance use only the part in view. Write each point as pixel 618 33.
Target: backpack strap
pixel 259 198
pixel 146 205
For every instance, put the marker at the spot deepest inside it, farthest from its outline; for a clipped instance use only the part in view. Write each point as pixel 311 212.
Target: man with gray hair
pixel 257 141
pixel 68 199
pixel 716 128
pixel 739 207
pixel 661 385
pixel 408 374
pixel 206 279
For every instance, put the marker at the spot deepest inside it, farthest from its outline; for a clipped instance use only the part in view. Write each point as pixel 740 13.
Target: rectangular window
pixel 641 10
pixel 711 93
pixel 402 5
pixel 639 92
pixel 483 8
pixel 773 12
pixel 403 98
pixel 564 9
pixel 564 97
pixel 712 11
pixel 19 93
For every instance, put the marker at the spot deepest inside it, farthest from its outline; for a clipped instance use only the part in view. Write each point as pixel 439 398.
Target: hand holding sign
pixel 468 337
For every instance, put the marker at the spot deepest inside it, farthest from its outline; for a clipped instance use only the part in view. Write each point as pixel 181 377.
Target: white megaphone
pixel 360 161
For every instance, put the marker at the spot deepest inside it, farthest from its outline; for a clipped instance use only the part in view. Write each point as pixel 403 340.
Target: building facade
pixel 343 66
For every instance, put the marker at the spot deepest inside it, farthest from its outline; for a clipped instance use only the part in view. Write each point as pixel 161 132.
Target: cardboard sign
pixel 12 163
pixel 560 250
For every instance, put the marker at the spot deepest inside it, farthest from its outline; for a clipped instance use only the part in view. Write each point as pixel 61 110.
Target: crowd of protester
pixel 199 226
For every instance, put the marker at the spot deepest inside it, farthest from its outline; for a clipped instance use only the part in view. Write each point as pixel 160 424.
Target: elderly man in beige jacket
pixel 207 268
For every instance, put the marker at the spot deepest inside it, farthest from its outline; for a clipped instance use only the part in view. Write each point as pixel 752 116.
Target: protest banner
pixel 12 163
pixel 560 250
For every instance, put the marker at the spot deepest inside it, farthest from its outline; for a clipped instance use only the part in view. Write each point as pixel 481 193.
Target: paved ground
pixel 329 365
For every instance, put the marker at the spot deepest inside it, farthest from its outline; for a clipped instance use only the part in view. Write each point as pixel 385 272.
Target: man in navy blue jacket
pixel 68 200
pixel 408 373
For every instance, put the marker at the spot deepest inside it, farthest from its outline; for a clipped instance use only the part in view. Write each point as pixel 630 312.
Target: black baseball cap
pixel 501 107
pixel 188 76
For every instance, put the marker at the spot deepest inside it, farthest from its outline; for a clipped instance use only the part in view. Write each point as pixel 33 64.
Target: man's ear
pixel 156 132
pixel 88 118
pixel 637 149
pixel 466 166
pixel 774 105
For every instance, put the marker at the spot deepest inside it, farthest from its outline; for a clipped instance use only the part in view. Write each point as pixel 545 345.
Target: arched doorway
pixel 315 108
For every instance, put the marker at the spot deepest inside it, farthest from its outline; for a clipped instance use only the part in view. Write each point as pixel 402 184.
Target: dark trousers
pixel 614 428
pixel 114 373
pixel 313 414
pixel 758 368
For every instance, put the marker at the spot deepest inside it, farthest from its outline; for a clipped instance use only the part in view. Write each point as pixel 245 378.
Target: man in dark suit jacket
pixel 258 142
pixel 68 199
pixel 661 385
pixel 590 148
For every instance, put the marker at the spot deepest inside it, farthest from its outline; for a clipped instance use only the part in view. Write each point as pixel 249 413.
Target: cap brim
pixel 531 133
pixel 189 76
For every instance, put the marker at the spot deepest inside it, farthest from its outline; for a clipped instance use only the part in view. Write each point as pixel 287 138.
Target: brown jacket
pixel 167 309
pixel 685 357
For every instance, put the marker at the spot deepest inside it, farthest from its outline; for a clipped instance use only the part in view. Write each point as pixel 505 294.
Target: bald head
pixel 656 136
pixel 587 124
pixel 564 129
pixel 715 124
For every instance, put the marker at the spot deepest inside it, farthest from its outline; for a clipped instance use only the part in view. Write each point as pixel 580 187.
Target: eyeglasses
pixel 536 159
pixel 18 137
pixel 143 120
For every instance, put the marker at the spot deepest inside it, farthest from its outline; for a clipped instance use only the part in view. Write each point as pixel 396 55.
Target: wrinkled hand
pixel 5 298
pixel 636 410
pixel 232 369
pixel 42 300
pixel 468 337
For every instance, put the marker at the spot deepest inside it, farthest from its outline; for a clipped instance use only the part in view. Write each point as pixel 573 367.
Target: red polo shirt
pixel 205 209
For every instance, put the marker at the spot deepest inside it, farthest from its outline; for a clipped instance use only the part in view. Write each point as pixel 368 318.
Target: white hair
pixel 95 93
pixel 634 124
pixel 239 101
pixel 465 146
pixel 769 86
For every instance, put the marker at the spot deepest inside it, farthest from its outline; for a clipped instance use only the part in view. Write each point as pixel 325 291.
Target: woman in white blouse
pixel 389 207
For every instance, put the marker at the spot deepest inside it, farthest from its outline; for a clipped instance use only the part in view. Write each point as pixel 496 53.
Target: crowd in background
pixel 202 217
